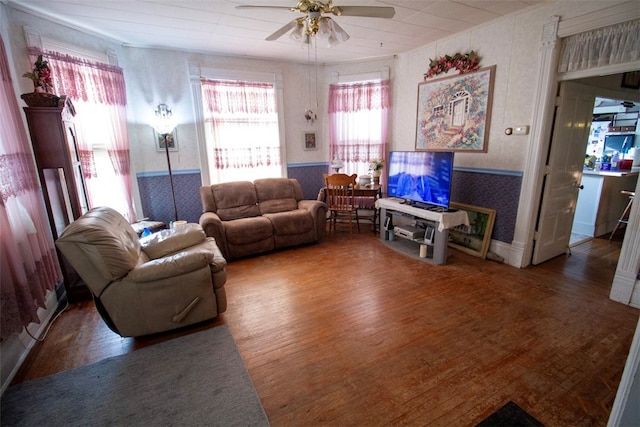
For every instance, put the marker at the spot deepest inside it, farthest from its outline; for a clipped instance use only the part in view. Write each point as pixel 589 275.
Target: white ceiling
pixel 216 26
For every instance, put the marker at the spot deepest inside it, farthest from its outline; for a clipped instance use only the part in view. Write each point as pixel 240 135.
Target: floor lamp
pixel 164 125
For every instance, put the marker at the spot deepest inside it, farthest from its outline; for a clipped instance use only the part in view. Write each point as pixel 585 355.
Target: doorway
pixel 613 136
pixel 566 158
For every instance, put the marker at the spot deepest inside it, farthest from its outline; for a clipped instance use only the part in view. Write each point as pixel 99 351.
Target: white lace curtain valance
pixel 616 44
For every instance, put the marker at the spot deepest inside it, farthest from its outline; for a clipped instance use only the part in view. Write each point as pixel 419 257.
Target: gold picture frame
pixel 475 238
pixel 454 113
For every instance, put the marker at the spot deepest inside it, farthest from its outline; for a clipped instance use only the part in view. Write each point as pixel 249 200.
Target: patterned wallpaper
pixel 489 189
pixel 310 177
pixel 157 204
pixel 156 200
pixel 492 190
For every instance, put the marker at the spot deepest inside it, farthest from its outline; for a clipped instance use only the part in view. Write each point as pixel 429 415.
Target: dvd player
pixel 408 232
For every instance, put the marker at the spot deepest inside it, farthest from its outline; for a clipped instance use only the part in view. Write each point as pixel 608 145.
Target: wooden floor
pixel 349 332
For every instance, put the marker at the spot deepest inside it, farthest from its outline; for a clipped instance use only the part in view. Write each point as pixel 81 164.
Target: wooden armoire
pixel 53 137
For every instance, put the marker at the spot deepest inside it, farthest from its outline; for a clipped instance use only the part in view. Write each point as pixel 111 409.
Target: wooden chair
pixel 340 198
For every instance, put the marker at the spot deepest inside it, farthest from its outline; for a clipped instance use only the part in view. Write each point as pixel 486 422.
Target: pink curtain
pixel 29 266
pixel 241 124
pixel 358 123
pixel 99 97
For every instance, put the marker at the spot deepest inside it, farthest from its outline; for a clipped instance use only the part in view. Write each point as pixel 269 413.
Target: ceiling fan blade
pixel 367 11
pixel 282 31
pixel 250 6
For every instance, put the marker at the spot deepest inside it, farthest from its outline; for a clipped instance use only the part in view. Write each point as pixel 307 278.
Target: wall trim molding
pixel 149 174
pixel 531 192
pixel 307 165
pixel 17 347
pixel 612 15
pixel 503 172
pixel 626 382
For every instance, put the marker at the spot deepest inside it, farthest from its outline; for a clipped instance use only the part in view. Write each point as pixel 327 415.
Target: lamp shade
pixel 337 163
pixel 163 122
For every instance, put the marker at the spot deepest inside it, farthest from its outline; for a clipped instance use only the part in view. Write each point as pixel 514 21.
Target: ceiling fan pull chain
pixel 316 70
pixel 308 113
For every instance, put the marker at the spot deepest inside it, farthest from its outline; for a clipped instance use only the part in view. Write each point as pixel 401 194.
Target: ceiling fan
pixel 315 23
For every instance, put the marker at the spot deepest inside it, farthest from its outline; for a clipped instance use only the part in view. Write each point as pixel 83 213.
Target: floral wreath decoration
pixel 463 62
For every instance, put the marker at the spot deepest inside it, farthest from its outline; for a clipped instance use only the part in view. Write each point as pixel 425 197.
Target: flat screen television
pixel 620 143
pixel 422 178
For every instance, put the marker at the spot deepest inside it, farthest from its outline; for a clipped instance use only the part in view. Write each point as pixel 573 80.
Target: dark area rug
pixel 194 380
pixel 510 415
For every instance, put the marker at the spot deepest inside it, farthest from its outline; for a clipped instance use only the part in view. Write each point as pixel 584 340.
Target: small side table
pixel 153 226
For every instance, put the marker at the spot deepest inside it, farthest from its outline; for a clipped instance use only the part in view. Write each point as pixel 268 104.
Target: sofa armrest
pixel 213 227
pixel 314 206
pixel 173 265
pixel 218 262
pixel 167 242
pixel 318 211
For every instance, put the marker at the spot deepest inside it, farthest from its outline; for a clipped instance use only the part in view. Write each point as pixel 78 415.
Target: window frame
pixel 196 73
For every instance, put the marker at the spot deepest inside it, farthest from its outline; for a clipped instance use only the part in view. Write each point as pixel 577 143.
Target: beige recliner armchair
pixel 164 281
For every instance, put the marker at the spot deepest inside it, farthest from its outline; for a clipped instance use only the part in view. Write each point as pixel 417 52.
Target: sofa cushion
pixel 166 242
pixel 297 221
pixel 235 200
pixel 275 195
pixel 245 231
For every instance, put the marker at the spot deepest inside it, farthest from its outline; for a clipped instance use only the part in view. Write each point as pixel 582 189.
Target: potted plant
pixel 375 166
pixel 42 95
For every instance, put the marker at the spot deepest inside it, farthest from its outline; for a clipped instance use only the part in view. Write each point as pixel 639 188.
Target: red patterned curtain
pixel 241 124
pixel 29 266
pixel 358 123
pixel 99 95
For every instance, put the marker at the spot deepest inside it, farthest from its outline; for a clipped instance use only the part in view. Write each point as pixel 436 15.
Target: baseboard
pixel 506 251
pixel 583 228
pixel 628 388
pixel 16 348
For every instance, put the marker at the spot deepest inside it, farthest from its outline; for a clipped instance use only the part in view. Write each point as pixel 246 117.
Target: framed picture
pixel 475 238
pixel 168 139
pixel 310 142
pixel 631 80
pixel 454 113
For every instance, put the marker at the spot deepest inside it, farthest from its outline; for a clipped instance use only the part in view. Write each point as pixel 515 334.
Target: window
pixel 358 119
pixel 241 130
pixel 97 91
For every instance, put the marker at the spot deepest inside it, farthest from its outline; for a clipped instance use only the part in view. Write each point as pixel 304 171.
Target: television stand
pixel 437 250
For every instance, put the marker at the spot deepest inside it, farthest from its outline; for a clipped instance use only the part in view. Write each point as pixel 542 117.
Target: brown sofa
pixel 248 218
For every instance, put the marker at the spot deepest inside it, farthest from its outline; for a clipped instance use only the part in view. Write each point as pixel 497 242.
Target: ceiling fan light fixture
pixel 337 32
pixel 314 23
pixel 324 28
pixel 297 33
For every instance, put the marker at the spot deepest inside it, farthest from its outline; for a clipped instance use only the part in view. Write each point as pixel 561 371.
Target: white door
pixel 564 170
